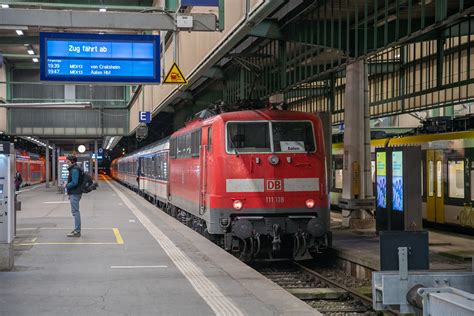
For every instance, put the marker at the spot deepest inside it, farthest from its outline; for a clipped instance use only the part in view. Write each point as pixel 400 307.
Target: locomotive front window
pixel 293 137
pixel 248 137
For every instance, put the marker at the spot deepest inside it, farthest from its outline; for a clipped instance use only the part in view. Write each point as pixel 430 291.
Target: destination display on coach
pixel 92 57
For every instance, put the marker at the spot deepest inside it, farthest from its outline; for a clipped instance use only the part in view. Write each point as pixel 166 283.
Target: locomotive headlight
pixel 237 205
pixel 309 203
pixel 273 160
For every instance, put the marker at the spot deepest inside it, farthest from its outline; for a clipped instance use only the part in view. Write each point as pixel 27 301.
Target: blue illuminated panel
pixel 91 58
pixel 207 3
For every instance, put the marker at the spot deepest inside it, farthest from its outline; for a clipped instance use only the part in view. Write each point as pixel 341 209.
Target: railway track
pixel 322 290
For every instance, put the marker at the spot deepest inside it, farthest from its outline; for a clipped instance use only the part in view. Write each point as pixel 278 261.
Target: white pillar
pixel 357 182
pixel 96 163
pixel 58 170
pixel 53 169
pixel 47 164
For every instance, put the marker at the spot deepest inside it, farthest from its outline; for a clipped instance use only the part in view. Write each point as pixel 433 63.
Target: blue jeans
pixel 74 200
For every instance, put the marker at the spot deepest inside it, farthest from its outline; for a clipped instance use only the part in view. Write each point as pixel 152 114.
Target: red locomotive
pixel 254 181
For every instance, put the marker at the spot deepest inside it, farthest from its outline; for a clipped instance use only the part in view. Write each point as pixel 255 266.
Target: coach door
pixel 206 143
pixel 435 187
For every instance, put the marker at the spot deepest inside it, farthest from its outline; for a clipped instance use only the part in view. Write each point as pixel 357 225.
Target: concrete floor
pixel 448 251
pixel 132 259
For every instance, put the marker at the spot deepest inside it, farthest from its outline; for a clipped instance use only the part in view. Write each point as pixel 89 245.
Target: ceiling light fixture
pixel 35 60
pixel 31 52
pixel 102 10
pixel 5 6
pixel 19 32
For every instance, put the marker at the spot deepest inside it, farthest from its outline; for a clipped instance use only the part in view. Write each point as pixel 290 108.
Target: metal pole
pixel 53 169
pixel 47 164
pixel 58 170
pixel 96 163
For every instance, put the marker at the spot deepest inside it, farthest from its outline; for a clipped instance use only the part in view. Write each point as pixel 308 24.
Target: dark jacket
pixel 74 179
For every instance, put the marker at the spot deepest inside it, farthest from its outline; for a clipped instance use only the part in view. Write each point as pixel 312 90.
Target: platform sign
pixel 144 117
pixel 175 76
pixel 201 3
pixel 397 181
pixel 99 58
pixel 381 165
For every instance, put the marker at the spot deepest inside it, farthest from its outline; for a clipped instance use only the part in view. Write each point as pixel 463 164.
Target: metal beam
pixel 146 21
pixel 19 40
pixel 116 6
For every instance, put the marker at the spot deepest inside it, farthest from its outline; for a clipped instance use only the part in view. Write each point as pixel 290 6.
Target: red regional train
pixel 31 166
pixel 253 181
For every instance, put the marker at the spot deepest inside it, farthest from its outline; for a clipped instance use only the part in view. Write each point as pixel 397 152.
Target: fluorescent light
pixel 5 6
pixel 31 52
pixel 35 60
pixel 102 10
pixel 19 32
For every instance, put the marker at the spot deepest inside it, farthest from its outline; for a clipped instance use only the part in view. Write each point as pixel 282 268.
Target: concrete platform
pixel 448 251
pixel 132 259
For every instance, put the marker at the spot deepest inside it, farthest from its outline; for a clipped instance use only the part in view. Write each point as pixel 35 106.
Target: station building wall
pixel 3 96
pixel 193 47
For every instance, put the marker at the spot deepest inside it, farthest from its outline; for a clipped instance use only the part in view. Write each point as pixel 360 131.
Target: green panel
pixel 171 5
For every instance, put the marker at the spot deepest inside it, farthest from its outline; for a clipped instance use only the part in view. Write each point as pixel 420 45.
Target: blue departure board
pixel 99 58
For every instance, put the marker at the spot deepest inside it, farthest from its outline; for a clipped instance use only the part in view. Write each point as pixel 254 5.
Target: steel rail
pixel 327 280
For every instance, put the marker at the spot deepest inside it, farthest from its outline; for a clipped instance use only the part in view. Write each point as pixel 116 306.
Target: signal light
pixel 237 205
pixel 309 203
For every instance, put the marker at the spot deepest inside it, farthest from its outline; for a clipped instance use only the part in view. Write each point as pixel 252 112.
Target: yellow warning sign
pixel 175 76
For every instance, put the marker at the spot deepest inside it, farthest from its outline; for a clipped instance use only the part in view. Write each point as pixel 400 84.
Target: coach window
pixel 431 178
pixel 246 137
pixel 456 179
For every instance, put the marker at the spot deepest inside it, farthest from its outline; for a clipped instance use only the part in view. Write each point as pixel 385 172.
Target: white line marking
pixel 131 221
pixel 208 290
pixel 29 189
pixel 56 202
pixel 136 267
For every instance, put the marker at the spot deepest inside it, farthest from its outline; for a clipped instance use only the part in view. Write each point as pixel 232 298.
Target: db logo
pixel 274 185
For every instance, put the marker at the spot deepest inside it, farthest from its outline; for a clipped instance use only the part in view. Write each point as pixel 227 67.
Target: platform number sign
pixel 144 117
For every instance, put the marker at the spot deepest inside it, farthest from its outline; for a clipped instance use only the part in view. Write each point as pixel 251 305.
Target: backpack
pixel 87 185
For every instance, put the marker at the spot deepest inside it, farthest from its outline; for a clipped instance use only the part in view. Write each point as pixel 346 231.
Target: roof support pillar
pixel 357 196
pixel 47 164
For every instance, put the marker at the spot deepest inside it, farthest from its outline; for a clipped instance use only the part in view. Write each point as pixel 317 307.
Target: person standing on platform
pixel 73 188
pixel 18 181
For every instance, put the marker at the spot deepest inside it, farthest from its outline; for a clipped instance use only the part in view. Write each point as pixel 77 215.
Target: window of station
pixel 248 137
pixel 456 179
pixel 293 136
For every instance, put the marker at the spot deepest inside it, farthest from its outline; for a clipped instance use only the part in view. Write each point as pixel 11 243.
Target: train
pixel 447 177
pixel 32 167
pixel 253 181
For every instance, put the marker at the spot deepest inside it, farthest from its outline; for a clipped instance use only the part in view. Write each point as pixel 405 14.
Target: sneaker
pixel 74 234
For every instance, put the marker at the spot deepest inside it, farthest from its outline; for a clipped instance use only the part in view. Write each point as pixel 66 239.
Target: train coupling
pixel 276 242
